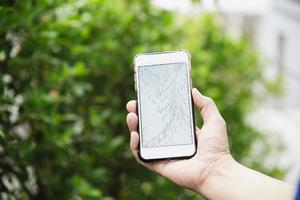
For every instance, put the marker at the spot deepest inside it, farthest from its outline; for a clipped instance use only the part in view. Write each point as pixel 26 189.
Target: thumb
pixel 207 108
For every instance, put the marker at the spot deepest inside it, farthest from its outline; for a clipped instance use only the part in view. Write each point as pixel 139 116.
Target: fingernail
pixel 197 91
pixel 127 105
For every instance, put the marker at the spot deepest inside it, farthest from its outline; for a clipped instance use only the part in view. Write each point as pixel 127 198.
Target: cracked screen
pixel 165 105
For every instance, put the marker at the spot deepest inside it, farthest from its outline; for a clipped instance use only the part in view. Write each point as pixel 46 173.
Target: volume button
pixel 134 81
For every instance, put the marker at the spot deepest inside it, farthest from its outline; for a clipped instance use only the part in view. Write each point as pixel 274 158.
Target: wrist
pixel 215 171
pixel 229 180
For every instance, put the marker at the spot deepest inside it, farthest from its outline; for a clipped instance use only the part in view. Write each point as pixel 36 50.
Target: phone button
pixel 134 81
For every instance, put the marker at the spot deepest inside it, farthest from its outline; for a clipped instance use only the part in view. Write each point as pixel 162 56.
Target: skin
pixel 212 172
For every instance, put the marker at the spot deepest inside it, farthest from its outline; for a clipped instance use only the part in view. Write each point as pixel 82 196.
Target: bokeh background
pixel 66 74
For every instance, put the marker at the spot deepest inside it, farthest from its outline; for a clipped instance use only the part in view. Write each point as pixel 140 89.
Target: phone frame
pixel 158 153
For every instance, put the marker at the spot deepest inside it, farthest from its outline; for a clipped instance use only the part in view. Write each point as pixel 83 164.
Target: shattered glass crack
pixel 165 105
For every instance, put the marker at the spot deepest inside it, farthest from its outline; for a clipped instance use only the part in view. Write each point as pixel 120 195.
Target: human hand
pixel 213 150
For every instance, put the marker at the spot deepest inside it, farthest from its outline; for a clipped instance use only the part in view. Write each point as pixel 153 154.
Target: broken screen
pixel 165 105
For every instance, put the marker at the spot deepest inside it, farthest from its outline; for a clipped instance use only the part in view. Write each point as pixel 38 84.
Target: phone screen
pixel 165 105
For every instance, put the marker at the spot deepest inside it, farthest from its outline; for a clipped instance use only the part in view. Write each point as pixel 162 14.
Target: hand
pixel 212 149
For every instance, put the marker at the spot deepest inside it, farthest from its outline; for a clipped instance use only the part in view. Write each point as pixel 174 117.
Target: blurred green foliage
pixel 66 75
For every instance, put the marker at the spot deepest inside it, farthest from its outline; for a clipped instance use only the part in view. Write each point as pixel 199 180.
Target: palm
pixel 189 172
pixel 181 172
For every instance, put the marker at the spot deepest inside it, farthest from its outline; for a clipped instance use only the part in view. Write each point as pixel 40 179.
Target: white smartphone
pixel 165 106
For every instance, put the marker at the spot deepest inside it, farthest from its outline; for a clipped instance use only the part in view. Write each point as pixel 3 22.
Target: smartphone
pixel 165 106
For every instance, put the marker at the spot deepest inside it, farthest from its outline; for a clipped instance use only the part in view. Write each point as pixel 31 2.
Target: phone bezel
pixel 168 152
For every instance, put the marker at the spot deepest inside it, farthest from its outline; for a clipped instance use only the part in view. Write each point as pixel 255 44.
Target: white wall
pixel 281 115
pixel 281 20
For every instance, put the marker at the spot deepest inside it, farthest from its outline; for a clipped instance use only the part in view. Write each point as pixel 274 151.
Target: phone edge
pixel 192 101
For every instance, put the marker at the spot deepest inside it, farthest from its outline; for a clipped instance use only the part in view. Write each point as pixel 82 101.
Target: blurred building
pixel 277 37
pixel 273 26
pixel 274 29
